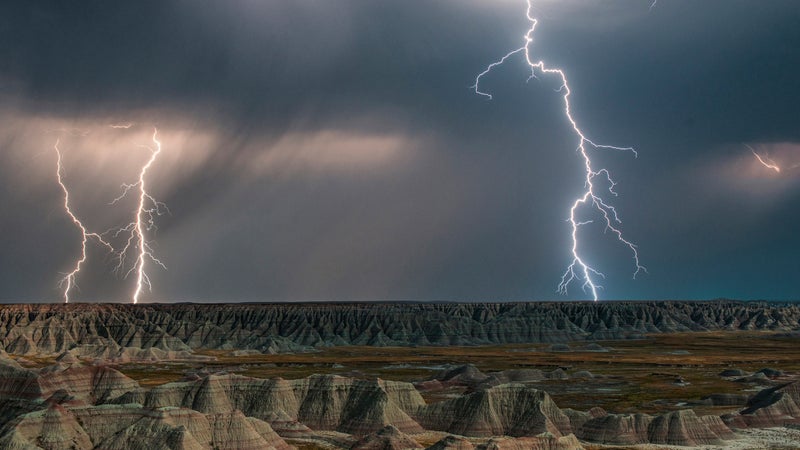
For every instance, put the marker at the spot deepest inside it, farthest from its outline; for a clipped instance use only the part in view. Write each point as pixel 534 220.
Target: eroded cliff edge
pixel 164 331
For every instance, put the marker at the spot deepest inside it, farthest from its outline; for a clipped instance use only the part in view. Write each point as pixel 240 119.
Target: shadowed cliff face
pixel 163 331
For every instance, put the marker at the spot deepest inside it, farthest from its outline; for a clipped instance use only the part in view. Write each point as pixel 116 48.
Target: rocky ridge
pixel 173 331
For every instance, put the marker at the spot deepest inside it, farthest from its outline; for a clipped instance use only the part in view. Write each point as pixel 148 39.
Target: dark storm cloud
pixel 465 198
pixel 249 59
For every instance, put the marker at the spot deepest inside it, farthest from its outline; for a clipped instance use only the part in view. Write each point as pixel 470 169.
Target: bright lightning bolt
pixel 765 161
pixel 147 210
pixel 68 282
pixel 578 270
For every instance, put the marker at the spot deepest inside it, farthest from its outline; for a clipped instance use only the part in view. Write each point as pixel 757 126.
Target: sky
pixel 335 150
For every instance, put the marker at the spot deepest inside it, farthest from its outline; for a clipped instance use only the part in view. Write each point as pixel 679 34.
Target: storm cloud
pixel 335 151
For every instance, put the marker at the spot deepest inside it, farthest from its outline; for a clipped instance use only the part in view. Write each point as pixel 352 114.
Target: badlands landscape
pixel 718 374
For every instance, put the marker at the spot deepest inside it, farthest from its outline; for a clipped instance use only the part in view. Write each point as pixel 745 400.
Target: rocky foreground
pixel 71 405
pixel 60 387
pixel 123 333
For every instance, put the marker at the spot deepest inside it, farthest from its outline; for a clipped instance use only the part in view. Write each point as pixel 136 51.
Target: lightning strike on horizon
pixel 147 210
pixel 578 269
pixel 768 162
pixel 69 280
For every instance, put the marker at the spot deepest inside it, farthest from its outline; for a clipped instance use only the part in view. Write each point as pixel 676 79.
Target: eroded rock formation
pixel 772 407
pixel 164 331
pixel 682 427
pixel 131 426
pixel 320 402
pixel 510 409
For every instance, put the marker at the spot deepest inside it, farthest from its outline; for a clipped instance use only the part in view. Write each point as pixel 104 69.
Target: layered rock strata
pixel 510 410
pixel 320 402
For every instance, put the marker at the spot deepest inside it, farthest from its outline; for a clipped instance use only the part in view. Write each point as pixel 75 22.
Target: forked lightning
pixel 136 244
pixel 578 270
pixel 148 208
pixel 68 282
